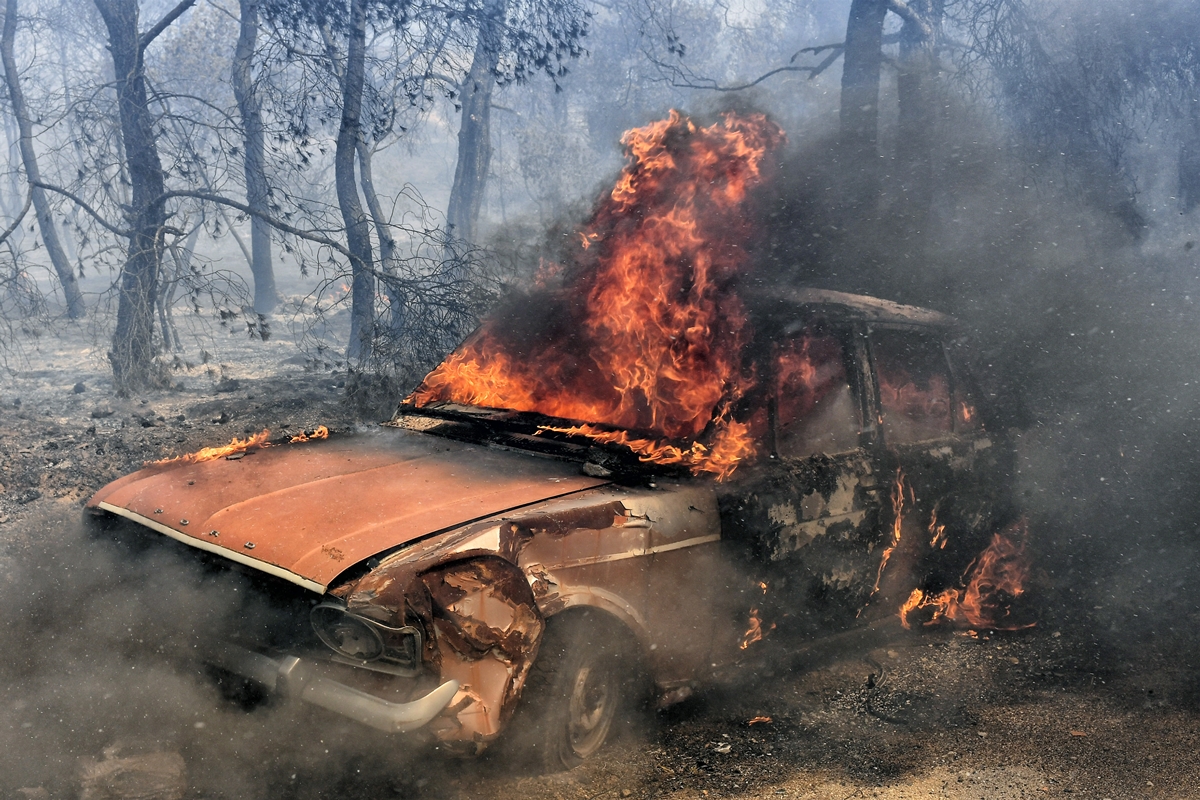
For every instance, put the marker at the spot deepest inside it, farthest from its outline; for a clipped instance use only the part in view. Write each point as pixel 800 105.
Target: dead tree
pixel 351 19
pixel 475 130
pixel 917 73
pixel 41 205
pixel 133 351
pixel 511 41
pixel 258 190
pixel 358 228
pixel 861 69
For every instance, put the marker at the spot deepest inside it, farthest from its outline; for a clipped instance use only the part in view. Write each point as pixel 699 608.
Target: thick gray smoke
pixel 1085 339
pixel 95 667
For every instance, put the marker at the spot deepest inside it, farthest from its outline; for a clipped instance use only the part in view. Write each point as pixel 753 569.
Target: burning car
pixel 640 473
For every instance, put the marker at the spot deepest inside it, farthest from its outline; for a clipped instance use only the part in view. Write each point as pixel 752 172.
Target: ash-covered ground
pixel 1099 700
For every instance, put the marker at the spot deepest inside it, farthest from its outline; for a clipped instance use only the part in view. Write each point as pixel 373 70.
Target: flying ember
pixel 641 330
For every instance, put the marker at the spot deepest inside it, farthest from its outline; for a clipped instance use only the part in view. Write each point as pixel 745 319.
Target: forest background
pixel 208 191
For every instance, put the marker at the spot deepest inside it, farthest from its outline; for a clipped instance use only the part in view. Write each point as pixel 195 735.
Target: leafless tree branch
pixel 79 201
pixel 272 221
pixel 17 222
pixel 149 36
pixel 901 9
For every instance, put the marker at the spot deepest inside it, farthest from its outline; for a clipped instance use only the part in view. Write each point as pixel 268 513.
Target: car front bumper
pixel 293 677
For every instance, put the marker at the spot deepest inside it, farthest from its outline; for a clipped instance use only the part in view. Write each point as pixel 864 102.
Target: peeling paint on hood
pixel 307 513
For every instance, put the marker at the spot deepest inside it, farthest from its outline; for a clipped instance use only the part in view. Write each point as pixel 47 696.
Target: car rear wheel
pixel 578 687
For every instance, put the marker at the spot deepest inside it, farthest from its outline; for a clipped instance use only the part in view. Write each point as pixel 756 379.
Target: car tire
pixel 579 686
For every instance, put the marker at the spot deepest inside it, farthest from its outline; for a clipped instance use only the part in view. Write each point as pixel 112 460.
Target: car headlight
pixel 347 635
pixel 366 642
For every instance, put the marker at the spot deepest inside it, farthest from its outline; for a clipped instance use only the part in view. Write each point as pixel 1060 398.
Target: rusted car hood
pixel 306 512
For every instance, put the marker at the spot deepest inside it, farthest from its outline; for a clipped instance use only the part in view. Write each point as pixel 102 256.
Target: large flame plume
pixel 644 331
pixel 990 583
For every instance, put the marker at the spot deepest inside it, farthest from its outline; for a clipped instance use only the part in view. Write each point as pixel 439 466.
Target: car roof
pixel 780 301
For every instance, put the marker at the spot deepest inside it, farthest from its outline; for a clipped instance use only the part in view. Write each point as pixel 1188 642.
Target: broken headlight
pixel 366 643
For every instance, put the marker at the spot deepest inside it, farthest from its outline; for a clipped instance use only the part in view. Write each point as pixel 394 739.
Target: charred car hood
pixel 305 512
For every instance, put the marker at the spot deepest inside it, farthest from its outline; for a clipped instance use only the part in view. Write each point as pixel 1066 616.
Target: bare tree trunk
pixel 14 197
pixel 45 218
pixel 133 350
pixel 358 232
pixel 387 245
pixel 266 298
pixel 859 113
pixel 71 223
pixel 475 132
pixel 914 84
pixel 183 261
pixel 397 301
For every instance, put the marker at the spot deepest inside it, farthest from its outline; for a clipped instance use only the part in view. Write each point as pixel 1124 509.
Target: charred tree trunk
pixel 915 126
pixel 54 249
pixel 257 190
pixel 133 350
pixel 475 132
pixel 358 231
pixel 859 112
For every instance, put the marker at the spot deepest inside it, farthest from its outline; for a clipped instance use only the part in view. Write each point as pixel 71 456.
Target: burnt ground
pixel 1094 702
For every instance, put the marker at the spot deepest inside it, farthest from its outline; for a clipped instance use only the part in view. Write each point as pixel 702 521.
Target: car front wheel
pixel 577 688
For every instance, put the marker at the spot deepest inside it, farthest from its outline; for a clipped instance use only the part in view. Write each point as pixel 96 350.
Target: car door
pixel 688 581
pixel 807 514
pixel 940 505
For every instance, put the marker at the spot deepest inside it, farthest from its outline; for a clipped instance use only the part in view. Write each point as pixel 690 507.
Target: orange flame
pixel 755 632
pixel 897 522
pixel 990 582
pixel 757 720
pixel 258 441
pixel 546 272
pixel 645 332
pixel 937 532
pixel 321 432
pixel 235 445
pixel 721 458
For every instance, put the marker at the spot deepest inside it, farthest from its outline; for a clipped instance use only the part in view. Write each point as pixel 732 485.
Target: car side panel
pixel 688 581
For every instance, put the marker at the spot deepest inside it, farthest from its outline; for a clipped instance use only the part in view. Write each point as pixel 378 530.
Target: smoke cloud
pixel 96 641
pixel 1084 338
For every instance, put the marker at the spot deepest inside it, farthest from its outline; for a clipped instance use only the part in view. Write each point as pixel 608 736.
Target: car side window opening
pixel 816 410
pixel 914 385
pixel 966 413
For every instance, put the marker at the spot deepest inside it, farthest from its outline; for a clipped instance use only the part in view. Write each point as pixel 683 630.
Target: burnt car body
pixel 462 557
